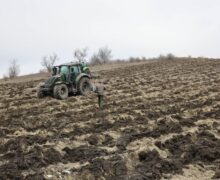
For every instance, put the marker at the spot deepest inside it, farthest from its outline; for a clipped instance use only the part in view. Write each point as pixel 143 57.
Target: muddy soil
pixel 161 120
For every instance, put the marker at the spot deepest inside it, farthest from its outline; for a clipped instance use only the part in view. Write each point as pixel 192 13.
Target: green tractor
pixel 73 78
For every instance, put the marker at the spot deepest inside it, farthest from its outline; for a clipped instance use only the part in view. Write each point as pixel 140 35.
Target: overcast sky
pixel 30 29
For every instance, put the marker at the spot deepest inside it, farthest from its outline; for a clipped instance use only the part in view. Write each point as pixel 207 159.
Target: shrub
pixel 80 54
pixel 102 57
pixel 5 78
pixel 14 69
pixel 169 56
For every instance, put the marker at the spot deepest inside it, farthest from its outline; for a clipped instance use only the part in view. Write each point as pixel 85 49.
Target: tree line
pixel 103 56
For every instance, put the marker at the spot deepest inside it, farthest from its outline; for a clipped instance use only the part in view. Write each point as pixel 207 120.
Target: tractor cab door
pixel 74 72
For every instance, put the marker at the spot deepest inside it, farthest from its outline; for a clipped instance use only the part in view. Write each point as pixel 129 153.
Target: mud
pixel 112 168
pixel 160 117
pixel 21 143
pixel 163 127
pixel 83 153
pixel 203 147
pixel 34 159
pixel 152 166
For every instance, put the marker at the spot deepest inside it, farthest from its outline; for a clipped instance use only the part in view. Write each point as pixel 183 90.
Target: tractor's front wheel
pixel 60 91
pixel 84 86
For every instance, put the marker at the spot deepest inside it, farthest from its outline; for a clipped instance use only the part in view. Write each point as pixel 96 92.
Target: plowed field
pixel 161 120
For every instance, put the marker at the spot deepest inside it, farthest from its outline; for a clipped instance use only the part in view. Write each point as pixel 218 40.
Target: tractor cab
pixel 69 72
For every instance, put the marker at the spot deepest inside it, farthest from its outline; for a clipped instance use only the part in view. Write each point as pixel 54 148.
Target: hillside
pixel 161 120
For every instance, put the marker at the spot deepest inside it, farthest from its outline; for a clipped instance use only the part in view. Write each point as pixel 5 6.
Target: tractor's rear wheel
pixel 84 86
pixel 40 93
pixel 60 92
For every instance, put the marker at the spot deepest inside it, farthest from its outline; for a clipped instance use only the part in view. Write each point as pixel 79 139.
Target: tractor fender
pixel 59 82
pixel 60 79
pixel 81 76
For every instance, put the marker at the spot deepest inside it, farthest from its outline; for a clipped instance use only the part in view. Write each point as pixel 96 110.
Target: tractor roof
pixel 70 64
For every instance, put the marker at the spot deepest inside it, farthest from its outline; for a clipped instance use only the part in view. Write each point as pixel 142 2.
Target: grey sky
pixel 30 29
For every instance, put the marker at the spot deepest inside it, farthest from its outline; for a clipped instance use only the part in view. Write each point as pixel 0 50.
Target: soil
pixel 161 120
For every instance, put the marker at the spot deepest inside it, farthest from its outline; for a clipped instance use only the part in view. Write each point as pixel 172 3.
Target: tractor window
pixel 64 70
pixel 75 69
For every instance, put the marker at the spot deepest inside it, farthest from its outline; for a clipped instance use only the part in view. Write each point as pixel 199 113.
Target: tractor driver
pixel 72 74
pixel 64 71
pixel 54 71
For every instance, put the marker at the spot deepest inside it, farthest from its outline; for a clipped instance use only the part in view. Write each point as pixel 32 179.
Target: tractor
pixel 72 78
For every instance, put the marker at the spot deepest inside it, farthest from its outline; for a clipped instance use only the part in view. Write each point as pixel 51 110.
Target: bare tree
pixel 105 55
pixel 169 56
pixel 94 60
pixel 14 69
pixel 102 57
pixel 80 54
pixel 49 61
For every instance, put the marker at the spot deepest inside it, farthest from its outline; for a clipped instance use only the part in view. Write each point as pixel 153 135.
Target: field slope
pixel 161 120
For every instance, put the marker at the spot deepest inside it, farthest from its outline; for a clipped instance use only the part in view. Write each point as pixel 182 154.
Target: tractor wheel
pixel 84 86
pixel 60 92
pixel 40 93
